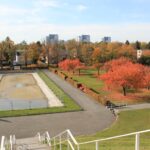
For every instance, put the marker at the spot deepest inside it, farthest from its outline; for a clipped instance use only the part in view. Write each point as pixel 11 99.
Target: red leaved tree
pixel 147 78
pixel 69 64
pixel 124 74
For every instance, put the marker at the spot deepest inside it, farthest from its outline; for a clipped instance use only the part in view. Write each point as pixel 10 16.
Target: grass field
pixel 69 104
pixel 87 78
pixel 129 121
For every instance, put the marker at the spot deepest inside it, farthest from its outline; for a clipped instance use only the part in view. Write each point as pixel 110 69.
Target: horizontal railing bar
pixel 59 143
pixel 115 137
pixel 59 134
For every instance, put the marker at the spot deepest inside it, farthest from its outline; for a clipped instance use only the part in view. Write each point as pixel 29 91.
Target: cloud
pixel 81 7
pixel 8 10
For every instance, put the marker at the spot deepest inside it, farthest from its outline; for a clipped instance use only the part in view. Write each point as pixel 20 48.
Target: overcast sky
pixel 32 20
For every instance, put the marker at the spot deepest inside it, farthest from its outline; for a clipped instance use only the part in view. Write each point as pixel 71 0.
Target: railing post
pixel 78 147
pixel 137 141
pixel 96 145
pixel 60 142
pixel 68 147
pixel 11 142
pixel 54 143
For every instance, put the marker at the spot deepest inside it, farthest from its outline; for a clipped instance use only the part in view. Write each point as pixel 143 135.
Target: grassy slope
pixel 129 121
pixel 69 104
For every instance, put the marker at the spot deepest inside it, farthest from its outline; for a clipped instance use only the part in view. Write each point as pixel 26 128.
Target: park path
pixel 94 118
pixel 136 107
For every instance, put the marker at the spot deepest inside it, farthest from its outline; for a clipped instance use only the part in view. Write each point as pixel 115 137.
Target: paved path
pixel 95 117
pixel 136 106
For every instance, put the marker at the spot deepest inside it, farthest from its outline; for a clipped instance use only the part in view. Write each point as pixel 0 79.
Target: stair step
pixel 31 144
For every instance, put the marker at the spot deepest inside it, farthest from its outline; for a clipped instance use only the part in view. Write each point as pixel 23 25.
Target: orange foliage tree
pixel 69 64
pixel 124 74
pixel 147 78
pixel 127 51
pixel 96 54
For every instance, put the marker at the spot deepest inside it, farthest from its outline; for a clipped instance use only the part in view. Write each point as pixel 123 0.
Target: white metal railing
pixel 7 144
pixel 39 136
pixel 65 137
pixel 12 141
pixel 2 143
pixel 97 142
pixel 44 137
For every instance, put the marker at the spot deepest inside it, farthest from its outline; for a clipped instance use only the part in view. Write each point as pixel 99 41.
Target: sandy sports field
pixel 26 86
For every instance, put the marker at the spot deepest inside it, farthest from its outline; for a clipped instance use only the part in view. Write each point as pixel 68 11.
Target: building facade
pixel 84 38
pixel 106 39
pixel 139 53
pixel 52 39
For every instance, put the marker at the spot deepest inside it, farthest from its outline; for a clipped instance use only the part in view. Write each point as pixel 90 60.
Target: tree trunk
pixel 79 72
pixel 25 58
pixel 1 61
pixel 124 91
pixel 98 71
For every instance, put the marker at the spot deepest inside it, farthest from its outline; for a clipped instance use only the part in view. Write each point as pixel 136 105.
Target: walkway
pixel 94 118
pixel 136 107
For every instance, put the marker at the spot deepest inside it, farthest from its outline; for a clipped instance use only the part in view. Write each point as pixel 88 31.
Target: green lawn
pixel 69 104
pixel 87 78
pixel 129 121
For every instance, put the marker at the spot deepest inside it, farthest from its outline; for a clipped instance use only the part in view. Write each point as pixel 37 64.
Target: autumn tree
pixel 69 65
pixel 8 49
pixel 80 67
pixel 145 58
pixel 33 53
pixel 72 48
pixel 127 51
pixel 127 42
pixel 98 66
pixel 96 55
pixel 138 45
pixel 86 52
pixel 147 78
pixel 124 74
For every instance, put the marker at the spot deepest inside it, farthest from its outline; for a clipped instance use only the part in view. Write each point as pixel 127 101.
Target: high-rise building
pixel 106 39
pixel 84 38
pixel 52 39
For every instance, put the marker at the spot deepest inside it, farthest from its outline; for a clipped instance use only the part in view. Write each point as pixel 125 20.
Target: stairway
pixel 30 144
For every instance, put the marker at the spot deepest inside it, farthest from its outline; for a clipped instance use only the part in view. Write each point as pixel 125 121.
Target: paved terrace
pixel 95 117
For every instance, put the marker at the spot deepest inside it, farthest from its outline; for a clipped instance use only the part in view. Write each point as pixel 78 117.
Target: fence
pixel 22 104
pixel 64 140
pixel 134 142
pixel 137 141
